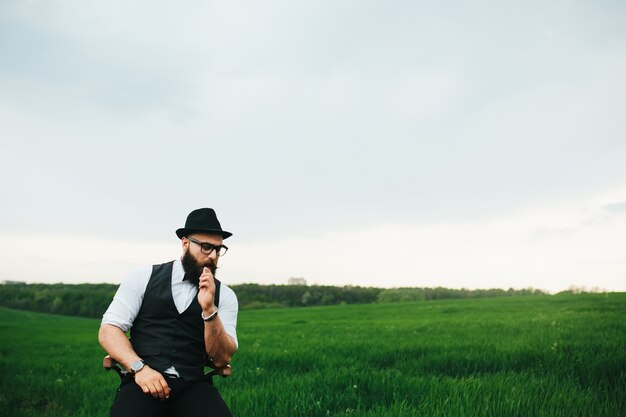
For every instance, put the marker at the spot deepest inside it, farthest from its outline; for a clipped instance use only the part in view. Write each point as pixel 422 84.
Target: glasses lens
pixel 207 248
pixel 223 250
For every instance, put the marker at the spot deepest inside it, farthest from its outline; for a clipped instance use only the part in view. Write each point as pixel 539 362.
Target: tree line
pixel 92 300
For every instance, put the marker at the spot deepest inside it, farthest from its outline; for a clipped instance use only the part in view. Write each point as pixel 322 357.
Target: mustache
pixel 211 265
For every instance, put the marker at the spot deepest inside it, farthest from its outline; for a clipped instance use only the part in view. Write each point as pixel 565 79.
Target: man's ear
pixel 184 243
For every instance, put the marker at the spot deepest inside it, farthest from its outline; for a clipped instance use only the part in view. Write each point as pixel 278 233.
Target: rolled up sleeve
pixel 228 310
pixel 128 299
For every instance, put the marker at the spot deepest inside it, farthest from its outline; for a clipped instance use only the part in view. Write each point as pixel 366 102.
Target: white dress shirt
pixel 129 297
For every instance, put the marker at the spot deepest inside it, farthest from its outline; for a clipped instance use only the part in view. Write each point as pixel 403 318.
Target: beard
pixel 193 268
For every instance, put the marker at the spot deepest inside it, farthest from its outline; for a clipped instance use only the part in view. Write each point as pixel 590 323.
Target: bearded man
pixel 176 328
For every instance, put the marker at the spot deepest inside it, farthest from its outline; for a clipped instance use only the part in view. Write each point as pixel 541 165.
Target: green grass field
pixel 519 356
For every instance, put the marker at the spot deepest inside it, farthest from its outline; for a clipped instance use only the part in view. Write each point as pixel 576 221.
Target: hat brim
pixel 181 233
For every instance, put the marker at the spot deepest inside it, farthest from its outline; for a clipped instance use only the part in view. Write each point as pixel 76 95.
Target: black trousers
pixel 187 399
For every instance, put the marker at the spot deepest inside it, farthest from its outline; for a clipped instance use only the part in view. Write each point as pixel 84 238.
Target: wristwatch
pixel 136 366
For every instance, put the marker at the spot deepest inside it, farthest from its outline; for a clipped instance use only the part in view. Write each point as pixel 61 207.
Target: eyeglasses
pixel 208 248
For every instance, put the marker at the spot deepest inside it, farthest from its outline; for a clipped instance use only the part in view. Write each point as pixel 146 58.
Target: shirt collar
pixel 178 273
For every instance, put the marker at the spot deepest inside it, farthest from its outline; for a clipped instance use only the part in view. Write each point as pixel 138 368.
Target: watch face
pixel 136 366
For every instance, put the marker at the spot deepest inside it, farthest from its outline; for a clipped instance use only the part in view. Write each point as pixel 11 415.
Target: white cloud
pixel 548 247
pixel 75 259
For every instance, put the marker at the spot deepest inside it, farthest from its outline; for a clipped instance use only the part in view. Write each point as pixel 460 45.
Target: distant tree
pixel 92 300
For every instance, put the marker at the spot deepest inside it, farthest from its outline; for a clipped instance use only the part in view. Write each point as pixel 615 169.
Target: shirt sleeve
pixel 128 298
pixel 228 309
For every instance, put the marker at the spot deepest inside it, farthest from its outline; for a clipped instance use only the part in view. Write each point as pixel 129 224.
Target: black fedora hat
pixel 203 220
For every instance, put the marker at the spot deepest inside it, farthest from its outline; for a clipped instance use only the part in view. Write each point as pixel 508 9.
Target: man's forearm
pixel 115 343
pixel 219 346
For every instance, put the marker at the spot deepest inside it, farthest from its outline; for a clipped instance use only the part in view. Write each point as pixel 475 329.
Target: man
pixel 180 318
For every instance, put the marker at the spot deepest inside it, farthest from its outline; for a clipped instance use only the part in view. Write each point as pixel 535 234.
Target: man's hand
pixel 206 291
pixel 152 382
pixel 223 371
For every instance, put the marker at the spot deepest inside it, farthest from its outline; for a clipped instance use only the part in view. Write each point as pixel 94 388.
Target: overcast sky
pixel 386 143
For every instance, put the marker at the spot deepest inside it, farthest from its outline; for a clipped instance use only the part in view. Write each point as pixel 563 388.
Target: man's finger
pixel 159 389
pixel 206 282
pixel 154 390
pixel 166 388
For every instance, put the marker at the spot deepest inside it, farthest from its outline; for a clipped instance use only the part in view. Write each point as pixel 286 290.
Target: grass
pixel 518 356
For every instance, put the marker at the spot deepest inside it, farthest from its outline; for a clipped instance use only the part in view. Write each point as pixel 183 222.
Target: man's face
pixel 194 260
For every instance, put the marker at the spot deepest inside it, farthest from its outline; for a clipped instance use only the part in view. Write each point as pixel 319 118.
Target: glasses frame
pixel 203 245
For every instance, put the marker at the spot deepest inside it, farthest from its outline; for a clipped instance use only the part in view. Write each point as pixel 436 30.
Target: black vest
pixel 161 336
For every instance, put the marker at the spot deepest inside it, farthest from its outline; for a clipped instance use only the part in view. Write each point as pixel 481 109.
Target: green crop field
pixel 518 356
